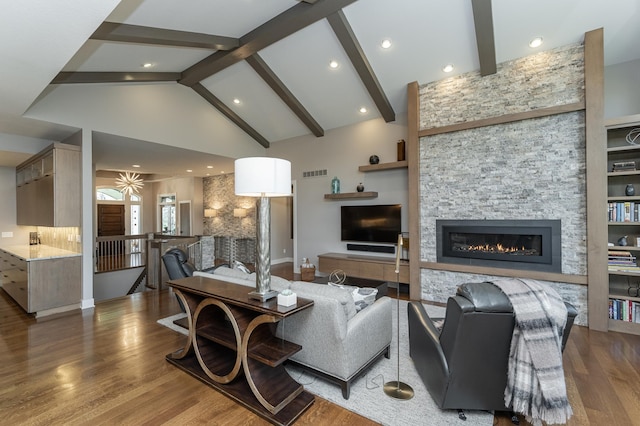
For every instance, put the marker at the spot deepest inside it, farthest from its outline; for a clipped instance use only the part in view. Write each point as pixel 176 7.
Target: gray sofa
pixel 338 343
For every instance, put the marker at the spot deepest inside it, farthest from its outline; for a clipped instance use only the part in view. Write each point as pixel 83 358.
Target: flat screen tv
pixel 371 223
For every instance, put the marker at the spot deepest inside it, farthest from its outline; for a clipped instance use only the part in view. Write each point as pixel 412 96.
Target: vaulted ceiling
pixel 263 65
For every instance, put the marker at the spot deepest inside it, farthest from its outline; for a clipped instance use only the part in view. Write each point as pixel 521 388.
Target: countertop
pixel 38 252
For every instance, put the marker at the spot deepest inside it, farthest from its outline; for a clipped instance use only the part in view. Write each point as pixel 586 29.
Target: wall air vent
pixel 314 173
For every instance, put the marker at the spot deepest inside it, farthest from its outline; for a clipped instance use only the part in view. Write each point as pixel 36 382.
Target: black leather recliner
pixel 464 366
pixel 177 264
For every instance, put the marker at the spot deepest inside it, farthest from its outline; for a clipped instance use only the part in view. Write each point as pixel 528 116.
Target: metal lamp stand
pixel 397 389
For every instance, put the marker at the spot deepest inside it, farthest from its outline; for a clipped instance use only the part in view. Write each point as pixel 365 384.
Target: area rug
pixel 367 397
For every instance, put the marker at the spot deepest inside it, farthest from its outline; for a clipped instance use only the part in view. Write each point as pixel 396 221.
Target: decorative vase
pixel 360 187
pixel 401 151
pixel 630 190
pixel 374 159
pixel 335 185
pixel 622 241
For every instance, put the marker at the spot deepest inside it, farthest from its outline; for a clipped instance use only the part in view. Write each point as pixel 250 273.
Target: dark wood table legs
pixel 231 347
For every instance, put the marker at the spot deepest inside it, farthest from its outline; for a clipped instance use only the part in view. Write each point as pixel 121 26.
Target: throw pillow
pixel 241 267
pixel 229 272
pixel 364 297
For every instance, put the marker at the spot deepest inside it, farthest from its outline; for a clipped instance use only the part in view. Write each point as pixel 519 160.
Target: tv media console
pixel 372 267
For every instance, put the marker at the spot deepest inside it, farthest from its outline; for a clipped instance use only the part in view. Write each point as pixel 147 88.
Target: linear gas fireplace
pixel 514 244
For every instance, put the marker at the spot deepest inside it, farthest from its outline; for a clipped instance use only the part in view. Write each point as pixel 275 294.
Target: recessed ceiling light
pixel 135 165
pixel 189 170
pixel 386 43
pixel 333 64
pixel 536 42
pixel 209 167
pixel 363 110
pixel 147 65
pixel 236 101
pixel 222 171
pixel 447 68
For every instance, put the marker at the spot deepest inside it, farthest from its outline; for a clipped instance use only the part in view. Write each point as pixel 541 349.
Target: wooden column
pixel 413 177
pixel 598 277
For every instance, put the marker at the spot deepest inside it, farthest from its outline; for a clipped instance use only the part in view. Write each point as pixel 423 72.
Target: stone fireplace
pixel 513 244
pixel 475 162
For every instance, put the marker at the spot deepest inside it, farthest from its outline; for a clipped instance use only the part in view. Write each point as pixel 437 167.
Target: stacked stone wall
pixel 528 169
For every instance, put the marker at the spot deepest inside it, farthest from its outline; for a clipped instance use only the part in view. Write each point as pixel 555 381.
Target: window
pixel 109 194
pixel 167 208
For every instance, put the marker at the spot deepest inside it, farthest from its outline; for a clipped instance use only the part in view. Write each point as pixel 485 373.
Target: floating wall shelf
pixel 344 195
pixel 384 166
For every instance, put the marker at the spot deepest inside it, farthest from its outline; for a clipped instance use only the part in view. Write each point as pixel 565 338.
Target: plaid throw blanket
pixel 535 385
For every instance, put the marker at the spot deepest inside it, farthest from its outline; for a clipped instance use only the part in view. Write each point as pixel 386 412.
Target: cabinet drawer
pixel 18 290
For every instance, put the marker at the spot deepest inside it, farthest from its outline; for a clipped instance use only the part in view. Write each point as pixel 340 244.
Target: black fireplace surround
pixel 532 245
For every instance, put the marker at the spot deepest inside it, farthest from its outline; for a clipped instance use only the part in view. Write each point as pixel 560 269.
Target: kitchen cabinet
pixel 43 280
pixel 48 187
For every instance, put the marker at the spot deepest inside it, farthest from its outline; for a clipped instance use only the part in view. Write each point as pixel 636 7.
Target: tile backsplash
pixel 61 237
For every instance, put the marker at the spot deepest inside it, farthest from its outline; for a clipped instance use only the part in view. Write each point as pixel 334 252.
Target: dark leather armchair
pixel 464 366
pixel 177 264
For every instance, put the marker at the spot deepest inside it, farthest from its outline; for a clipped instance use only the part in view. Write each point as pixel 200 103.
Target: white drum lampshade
pixel 262 177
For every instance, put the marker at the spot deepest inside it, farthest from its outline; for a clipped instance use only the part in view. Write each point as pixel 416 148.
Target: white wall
pixel 8 209
pixel 622 89
pixel 281 241
pixel 340 152
pixel 169 114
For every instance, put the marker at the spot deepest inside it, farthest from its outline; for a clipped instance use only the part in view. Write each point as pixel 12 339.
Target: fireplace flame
pixel 498 249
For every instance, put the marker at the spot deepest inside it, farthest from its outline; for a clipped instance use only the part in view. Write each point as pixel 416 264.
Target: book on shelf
pixel 621 257
pixel 624 310
pixel 627 211
pixel 623 166
pixel 621 261
pixel 625 253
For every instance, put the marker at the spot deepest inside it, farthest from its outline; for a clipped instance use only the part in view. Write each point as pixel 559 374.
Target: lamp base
pixel 263 296
pixel 398 390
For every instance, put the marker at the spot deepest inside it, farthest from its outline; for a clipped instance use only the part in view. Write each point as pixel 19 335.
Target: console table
pixel 227 332
pixel 372 267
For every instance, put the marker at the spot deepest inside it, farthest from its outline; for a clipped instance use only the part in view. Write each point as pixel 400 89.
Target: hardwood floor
pixel 106 366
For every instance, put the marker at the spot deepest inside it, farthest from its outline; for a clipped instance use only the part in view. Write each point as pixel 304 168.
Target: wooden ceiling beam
pixel 267 74
pixel 483 20
pixel 114 77
pixel 114 31
pixel 227 112
pixel 352 47
pixel 288 22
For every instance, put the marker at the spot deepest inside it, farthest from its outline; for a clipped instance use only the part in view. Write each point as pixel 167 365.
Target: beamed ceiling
pixel 230 51
pixel 272 56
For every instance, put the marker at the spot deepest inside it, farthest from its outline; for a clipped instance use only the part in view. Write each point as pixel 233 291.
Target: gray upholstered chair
pixel 464 366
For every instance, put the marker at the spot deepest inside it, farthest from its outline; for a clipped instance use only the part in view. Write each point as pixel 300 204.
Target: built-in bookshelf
pixel 623 219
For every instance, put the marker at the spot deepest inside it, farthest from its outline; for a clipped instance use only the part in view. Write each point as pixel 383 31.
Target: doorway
pixel 185 218
pixel 110 223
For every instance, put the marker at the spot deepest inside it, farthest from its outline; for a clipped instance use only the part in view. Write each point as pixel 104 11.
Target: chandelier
pixel 129 182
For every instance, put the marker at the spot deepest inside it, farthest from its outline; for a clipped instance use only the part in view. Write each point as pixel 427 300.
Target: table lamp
pixel 263 177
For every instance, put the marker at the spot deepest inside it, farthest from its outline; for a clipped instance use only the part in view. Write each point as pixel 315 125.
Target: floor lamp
pixel 397 389
pixel 263 177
